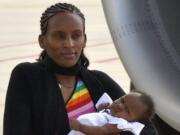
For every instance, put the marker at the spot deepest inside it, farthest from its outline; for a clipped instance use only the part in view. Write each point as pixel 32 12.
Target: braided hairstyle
pixel 52 11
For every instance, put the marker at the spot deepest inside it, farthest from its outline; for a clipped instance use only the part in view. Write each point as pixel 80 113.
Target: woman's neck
pixel 66 84
pixel 58 69
pixel 66 81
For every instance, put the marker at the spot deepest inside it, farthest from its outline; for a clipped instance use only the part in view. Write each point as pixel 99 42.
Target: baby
pixel 123 113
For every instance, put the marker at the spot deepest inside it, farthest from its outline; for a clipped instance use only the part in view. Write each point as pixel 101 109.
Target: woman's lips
pixel 69 55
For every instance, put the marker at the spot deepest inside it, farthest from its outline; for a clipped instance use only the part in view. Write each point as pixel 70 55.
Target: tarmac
pixel 19 30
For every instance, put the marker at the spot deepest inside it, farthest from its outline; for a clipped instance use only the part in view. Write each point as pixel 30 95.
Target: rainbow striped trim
pixel 80 102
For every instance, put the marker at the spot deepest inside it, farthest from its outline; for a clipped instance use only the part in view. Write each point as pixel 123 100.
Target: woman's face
pixel 128 107
pixel 65 38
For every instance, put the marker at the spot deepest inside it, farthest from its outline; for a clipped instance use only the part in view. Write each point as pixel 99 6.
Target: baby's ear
pixel 41 40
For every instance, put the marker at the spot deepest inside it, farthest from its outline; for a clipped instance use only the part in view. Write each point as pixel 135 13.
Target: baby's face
pixel 129 107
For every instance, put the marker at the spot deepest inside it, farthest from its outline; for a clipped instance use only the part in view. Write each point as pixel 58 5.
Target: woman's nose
pixel 69 42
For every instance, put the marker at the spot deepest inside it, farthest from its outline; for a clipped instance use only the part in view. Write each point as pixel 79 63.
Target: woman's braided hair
pixel 52 11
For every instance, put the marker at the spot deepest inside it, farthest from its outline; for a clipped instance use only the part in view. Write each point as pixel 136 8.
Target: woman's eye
pixel 61 36
pixel 76 36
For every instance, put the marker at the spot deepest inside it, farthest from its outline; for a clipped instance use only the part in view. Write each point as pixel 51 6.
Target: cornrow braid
pixel 52 11
pixel 57 8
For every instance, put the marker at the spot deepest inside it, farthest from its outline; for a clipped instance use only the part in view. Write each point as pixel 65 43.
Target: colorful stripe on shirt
pixel 80 102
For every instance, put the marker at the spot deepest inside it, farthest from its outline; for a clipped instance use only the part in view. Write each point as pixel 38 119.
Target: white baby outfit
pixel 102 118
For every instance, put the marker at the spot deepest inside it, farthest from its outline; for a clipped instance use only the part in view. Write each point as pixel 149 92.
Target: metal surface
pixel 146 34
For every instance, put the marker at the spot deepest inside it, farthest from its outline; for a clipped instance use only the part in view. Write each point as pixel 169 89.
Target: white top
pixel 102 118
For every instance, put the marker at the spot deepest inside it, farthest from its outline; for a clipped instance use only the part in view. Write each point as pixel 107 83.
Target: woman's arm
pixel 108 129
pixel 17 108
pixel 149 129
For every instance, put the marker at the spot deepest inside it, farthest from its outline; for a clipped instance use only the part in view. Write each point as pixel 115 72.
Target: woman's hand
pixel 103 106
pixel 75 125
pixel 111 129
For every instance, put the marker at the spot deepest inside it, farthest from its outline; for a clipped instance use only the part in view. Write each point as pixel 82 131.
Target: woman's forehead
pixel 66 20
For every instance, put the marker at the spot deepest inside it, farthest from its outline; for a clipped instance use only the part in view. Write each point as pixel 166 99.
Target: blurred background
pixel 19 30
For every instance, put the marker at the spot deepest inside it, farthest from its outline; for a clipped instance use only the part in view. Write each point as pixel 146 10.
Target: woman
pixel 43 96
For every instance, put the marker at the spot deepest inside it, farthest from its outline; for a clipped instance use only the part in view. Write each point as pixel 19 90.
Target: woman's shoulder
pixel 93 73
pixel 27 67
pixel 98 73
pixel 104 77
pixel 105 81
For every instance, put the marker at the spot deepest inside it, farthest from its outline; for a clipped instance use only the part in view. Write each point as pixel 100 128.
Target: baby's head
pixel 135 106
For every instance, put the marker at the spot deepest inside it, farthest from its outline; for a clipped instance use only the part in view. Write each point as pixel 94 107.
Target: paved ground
pixel 19 29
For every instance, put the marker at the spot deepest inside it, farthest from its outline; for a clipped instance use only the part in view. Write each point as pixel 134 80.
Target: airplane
pixel 146 35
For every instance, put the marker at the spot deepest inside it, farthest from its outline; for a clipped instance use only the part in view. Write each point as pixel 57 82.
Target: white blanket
pixel 102 118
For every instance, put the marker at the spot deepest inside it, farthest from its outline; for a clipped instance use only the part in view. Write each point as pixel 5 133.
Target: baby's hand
pixel 103 106
pixel 75 125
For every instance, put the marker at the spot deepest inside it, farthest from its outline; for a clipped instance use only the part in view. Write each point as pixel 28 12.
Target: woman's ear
pixel 41 41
